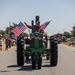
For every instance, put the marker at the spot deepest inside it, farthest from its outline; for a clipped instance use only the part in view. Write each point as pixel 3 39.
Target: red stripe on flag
pixel 42 27
pixel 18 31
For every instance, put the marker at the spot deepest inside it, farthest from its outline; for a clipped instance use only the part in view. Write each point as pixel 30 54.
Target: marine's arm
pixel 28 25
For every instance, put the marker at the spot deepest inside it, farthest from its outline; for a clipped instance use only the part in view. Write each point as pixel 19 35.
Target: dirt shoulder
pixel 70 44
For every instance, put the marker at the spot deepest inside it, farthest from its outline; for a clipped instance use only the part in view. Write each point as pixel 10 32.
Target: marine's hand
pixel 25 23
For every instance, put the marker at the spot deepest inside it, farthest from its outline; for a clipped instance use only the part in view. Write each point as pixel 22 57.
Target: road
pixel 66 63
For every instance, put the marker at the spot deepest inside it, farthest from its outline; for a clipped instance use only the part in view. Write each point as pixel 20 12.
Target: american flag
pixel 19 29
pixel 43 26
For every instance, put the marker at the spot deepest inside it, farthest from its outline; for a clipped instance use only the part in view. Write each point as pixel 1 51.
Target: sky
pixel 61 12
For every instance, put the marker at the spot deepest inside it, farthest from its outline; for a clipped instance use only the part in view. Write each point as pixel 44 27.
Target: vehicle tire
pixel 20 55
pixel 39 62
pixel 33 61
pixel 54 52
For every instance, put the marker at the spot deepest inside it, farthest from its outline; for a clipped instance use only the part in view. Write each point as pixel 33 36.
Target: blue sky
pixel 61 12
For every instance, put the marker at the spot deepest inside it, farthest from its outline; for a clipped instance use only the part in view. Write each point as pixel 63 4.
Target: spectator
pixel 7 43
pixel 0 43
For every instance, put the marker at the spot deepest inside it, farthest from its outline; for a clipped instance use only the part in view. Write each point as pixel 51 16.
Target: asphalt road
pixel 66 63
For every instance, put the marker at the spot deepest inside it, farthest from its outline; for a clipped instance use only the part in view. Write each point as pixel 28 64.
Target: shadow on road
pixel 4 71
pixel 27 67
pixel 47 66
pixel 12 66
pixel 22 68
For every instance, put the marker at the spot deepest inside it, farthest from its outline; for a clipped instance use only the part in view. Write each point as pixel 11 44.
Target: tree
pixel 73 32
pixel 66 34
pixel 58 35
pixel 10 28
pixel 2 32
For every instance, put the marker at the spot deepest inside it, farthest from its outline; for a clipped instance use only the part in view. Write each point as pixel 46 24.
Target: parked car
pixel 72 38
pixel 71 41
pixel 59 40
